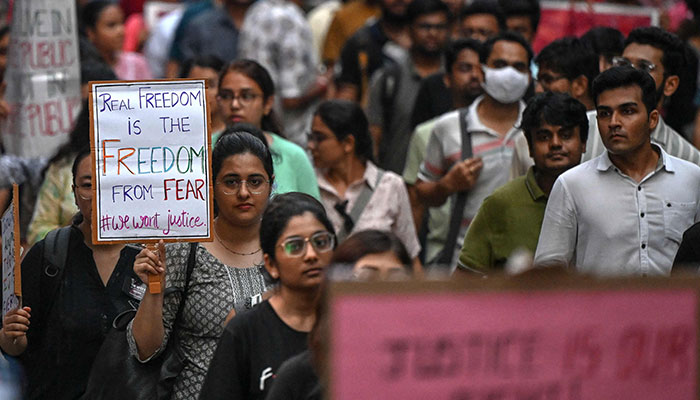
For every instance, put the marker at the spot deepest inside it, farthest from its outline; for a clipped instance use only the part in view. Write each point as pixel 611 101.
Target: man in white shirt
pixel 625 211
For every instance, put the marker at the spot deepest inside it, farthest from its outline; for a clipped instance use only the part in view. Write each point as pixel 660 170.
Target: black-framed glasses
pixel 231 186
pixel 295 246
pixel 643 65
pixel 245 97
pixel 315 137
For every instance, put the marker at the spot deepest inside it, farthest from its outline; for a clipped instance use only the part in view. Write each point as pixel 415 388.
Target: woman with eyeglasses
pixel 297 241
pixel 71 292
pixel 357 194
pixel 227 273
pixel 247 94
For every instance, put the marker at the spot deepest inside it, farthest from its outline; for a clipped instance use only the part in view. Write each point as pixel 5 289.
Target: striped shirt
pixel 663 135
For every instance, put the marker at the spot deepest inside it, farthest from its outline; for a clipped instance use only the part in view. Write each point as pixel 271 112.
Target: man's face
pixel 429 33
pixel 622 120
pixel 522 25
pixel 550 81
pixel 555 148
pixel 466 76
pixel 395 8
pixel 479 26
pixel 648 58
pixel 505 53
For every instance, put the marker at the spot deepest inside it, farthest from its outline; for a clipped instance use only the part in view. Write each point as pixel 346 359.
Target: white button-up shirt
pixel 606 223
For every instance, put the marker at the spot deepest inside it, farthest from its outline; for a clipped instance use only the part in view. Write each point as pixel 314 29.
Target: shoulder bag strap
pixel 360 204
pixel 461 201
pixel 188 274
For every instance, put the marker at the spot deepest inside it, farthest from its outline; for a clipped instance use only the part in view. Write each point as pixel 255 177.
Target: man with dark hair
pixel 606 43
pixel 624 212
pixel 491 122
pixel 522 16
pixel 567 66
pixel 393 89
pixel 661 54
pixel 556 127
pixel 481 20
pixel 371 47
pixel 436 97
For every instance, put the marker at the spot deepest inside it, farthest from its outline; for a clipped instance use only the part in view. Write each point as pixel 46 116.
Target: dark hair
pixel 204 61
pixel 346 118
pixel 80 156
pixel 508 36
pixel 455 47
pixel 95 70
pixel 618 77
pixel 670 44
pixel 262 78
pixel 283 208
pixel 78 138
pixel 241 138
pixel 604 41
pixel 371 241
pixel 570 57
pixel 485 7
pixel 4 30
pixel 554 109
pixel 91 12
pixel 417 8
pixel 528 8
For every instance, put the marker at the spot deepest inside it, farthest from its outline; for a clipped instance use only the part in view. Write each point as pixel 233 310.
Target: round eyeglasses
pixel 254 185
pixel 245 98
pixel 296 246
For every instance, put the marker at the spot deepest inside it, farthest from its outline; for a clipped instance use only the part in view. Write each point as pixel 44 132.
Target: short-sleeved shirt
pixel 496 151
pixel 349 18
pixel 65 339
pixel 671 141
pixel 276 34
pixel 211 33
pixel 606 223
pixel 392 95
pixel 508 220
pixel 388 209
pixel 252 348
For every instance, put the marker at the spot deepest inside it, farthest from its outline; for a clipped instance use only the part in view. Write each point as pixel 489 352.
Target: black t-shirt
pixel 369 39
pixel 296 380
pixel 433 99
pixel 688 255
pixel 251 349
pixel 64 340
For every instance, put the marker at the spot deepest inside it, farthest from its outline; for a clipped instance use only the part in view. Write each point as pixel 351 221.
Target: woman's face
pixel 241 100
pixel 108 33
pixel 301 266
pixel 380 266
pixel 324 146
pixel 82 188
pixel 242 203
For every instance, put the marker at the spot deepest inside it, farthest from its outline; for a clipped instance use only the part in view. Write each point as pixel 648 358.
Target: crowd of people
pixel 373 140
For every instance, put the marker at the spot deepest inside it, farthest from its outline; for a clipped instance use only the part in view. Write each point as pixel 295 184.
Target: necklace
pixel 229 249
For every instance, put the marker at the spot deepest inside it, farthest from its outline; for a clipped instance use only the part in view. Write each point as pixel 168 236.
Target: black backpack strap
pixel 359 206
pixel 445 257
pixel 53 264
pixel 188 274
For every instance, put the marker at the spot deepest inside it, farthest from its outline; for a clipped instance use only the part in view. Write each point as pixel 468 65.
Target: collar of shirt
pixel 474 123
pixel 369 178
pixel 532 187
pixel 665 162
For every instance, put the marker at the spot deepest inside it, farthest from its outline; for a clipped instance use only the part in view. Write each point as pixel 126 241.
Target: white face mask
pixel 506 85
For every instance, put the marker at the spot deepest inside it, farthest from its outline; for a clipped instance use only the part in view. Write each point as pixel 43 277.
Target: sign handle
pixel 154 286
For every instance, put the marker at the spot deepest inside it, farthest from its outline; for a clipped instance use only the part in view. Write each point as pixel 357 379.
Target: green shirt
pixel 509 219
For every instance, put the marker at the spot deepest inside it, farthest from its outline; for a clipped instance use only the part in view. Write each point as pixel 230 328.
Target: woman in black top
pixel 65 318
pixel 297 240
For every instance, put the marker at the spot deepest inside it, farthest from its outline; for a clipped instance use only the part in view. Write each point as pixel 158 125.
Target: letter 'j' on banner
pixel 42 76
pixel 151 153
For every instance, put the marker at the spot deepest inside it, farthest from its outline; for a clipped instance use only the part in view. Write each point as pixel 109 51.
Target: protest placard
pixel 11 273
pixel 561 341
pixel 42 76
pixel 151 153
pixel 559 19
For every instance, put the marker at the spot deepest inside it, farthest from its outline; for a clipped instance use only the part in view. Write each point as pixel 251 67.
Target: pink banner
pixel 568 345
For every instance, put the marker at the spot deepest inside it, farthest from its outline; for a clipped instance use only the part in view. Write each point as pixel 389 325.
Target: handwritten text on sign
pixel 9 298
pixel 542 345
pixel 151 146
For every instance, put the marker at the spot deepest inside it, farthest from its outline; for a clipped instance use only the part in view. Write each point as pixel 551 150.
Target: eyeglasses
pixel 245 97
pixel 84 191
pixel 296 246
pixel 548 79
pixel 643 65
pixel 231 186
pixel 315 137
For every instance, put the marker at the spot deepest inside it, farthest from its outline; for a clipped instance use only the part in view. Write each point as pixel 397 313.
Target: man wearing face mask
pixel 491 122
